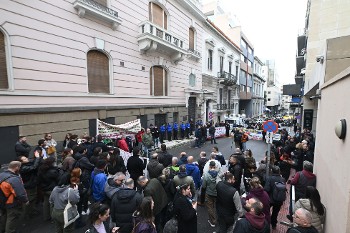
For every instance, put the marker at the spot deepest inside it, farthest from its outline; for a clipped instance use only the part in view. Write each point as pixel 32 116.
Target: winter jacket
pixel 219 157
pixel 182 160
pixel 135 167
pixel 162 128
pixel 186 215
pixel 301 180
pixel 22 148
pixel 111 188
pixel 193 170
pixel 209 182
pixel 142 226
pixel 212 130
pixel 252 223
pixel 165 158
pixel 270 183
pixel 117 166
pixel 147 140
pixel 228 201
pixel 201 163
pixel 123 145
pixel 98 179
pixel 317 220
pixel 182 178
pixel 59 197
pixel 124 204
pixel 176 127
pixel 48 179
pixel 13 188
pixel 188 126
pixel 155 190
pixel 86 167
pixel 236 171
pixel 299 229
pixel 262 196
pixel 29 172
pixel 169 128
pixel 154 168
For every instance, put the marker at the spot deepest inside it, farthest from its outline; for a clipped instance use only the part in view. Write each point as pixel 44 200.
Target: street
pixel 37 225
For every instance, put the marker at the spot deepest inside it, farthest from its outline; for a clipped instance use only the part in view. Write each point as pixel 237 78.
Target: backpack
pixel 279 192
pixel 3 198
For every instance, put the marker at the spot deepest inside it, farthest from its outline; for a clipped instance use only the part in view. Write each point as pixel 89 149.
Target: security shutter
pixel 157 14
pixel 3 68
pixel 191 39
pixel 158 80
pixel 98 72
pixel 151 81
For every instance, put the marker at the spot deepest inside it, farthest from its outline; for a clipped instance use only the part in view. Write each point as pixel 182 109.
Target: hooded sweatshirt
pixel 252 224
pixel 99 179
pixel 59 197
pixel 262 196
pixel 193 170
pixel 111 188
pixel 219 157
pixel 182 178
pixel 209 182
pixel 317 220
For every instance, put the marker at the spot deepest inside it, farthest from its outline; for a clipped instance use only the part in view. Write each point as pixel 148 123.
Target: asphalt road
pixel 37 225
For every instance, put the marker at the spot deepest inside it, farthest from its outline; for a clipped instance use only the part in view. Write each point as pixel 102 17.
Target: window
pixel 192 80
pixel 210 59
pixel 102 2
pixel 230 67
pixel 250 51
pixel 157 15
pixel 229 98
pixel 244 44
pixel 191 39
pixel 3 65
pixel 220 95
pixel 237 71
pixel 221 64
pixel 242 88
pixel 158 81
pixel 242 58
pixel 98 72
pixel 249 63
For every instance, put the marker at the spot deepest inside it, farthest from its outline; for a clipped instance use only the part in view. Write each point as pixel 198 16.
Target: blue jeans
pixel 156 142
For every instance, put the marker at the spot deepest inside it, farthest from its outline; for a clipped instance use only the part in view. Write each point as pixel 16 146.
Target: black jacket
pixel 236 171
pixel 48 179
pixel 124 204
pixel 302 230
pixel 224 199
pixel 269 185
pixel 29 173
pixel 22 148
pixel 117 166
pixel 86 167
pixel 154 168
pixel 135 167
pixel 186 215
pixel 165 158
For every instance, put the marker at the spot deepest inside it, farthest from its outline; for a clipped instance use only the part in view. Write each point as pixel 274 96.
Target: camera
pixel 320 58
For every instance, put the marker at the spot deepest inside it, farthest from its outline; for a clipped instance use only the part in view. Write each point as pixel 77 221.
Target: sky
pixel 272 26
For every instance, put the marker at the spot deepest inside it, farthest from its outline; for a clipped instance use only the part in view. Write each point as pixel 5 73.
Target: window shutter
pixel 150 11
pixel 158 81
pixel 102 2
pixel 165 82
pixel 98 72
pixel 157 13
pixel 3 67
pixel 165 21
pixel 151 81
pixel 191 39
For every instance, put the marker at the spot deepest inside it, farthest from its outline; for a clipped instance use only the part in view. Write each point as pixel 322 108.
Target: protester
pixel 164 157
pixel 302 218
pixel 113 185
pixel 209 184
pixel 144 218
pixel 99 216
pixel 98 180
pixel 154 168
pixel 22 147
pixel 135 165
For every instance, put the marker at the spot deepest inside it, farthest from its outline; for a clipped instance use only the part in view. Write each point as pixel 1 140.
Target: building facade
pixel 66 63
pixel 258 88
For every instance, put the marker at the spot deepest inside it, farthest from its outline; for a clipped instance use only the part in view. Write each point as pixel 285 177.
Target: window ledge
pixel 104 13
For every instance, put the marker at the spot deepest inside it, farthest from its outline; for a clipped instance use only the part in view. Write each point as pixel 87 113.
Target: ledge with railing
pixel 227 78
pixel 194 53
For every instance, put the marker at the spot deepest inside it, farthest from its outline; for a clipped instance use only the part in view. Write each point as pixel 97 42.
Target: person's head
pixel 68 135
pixel 67 152
pixel 97 151
pixel 248 153
pixel 41 142
pixel 166 172
pixel 81 149
pixel 237 151
pixel 119 178
pixel 101 164
pixel 233 160
pixel 146 209
pixel 299 146
pixel 305 146
pixel 148 131
pixel 185 190
pixel 308 166
pixel 23 159
pixel 142 181
pixel 276 170
pixel 183 154
pixel 14 166
pixel 136 151
pixel 313 195
pixel 154 156
pixel 46 164
pixel 215 149
pixel 255 183
pixel 22 138
pixel 254 206
pixel 229 177
pixel 190 159
pixel 212 155
pixel 212 165
pixel 129 183
pixel 174 161
pixel 48 136
pixel 163 147
pixel 99 212
pixel 302 217
pixel 75 177
pixel 182 168
pixel 203 154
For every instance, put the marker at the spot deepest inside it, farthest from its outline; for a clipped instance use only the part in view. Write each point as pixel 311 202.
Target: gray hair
pixel 117 175
pixel 305 215
pixel 308 166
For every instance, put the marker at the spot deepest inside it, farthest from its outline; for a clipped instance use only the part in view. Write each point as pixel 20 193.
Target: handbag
pixel 51 150
pixel 70 213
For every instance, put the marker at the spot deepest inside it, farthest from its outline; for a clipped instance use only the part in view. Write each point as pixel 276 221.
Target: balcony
pixel 245 96
pixel 194 54
pixel 154 38
pixel 227 78
pixel 221 107
pixel 90 7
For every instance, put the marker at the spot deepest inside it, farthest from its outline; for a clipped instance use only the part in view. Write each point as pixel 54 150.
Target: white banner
pixel 113 131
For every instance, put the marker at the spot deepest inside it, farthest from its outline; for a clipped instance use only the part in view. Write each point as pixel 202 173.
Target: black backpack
pixel 279 192
pixel 3 198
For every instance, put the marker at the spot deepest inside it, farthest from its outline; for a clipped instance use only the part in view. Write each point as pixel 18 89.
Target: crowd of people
pixel 119 196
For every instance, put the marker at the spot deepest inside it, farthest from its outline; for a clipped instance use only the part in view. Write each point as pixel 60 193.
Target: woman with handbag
pixel 99 217
pixel 60 198
pixel 143 217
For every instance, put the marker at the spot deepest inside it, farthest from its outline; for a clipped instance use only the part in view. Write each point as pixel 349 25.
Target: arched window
pixel 98 72
pixel 158 81
pixel 192 80
pixel 157 15
pixel 4 84
pixel 191 39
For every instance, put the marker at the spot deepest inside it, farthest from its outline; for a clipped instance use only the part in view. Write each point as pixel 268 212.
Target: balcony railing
pixel 194 54
pixel 225 106
pixel 227 78
pixel 98 10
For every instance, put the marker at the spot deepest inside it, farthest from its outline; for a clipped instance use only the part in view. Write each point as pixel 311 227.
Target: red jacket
pixel 123 145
